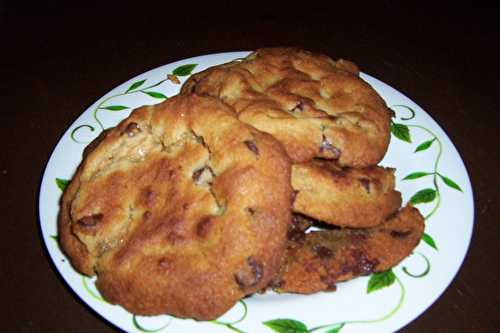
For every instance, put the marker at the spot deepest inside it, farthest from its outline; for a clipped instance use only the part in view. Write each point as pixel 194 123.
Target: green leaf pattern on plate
pixel 62 183
pixel 416 175
pixel 155 94
pixel 380 280
pixel 401 132
pixel 141 328
pixel 429 240
pixel 424 273
pixel 184 70
pixel 424 145
pixel 450 182
pixel 114 107
pixel 286 326
pixel 423 196
pixel 136 87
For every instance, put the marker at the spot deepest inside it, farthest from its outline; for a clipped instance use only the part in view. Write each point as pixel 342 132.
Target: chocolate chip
pixel 149 197
pixel 251 145
pixel 327 146
pixel 296 235
pixel 204 226
pixel 276 284
pixel 366 266
pixel 365 183
pixel 131 129
pixel 362 265
pixel 323 252
pixel 250 275
pixel 192 85
pixel 298 108
pixel 203 175
pixel 192 89
pixel 301 222
pixel 358 237
pixel 393 215
pixel 175 238
pixel 164 263
pixel 330 283
pixel 147 215
pixel 197 174
pixel 90 220
pixel 251 211
pixel 400 234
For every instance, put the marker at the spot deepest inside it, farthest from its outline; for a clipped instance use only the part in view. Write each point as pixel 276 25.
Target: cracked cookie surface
pixel 180 209
pixel 315 106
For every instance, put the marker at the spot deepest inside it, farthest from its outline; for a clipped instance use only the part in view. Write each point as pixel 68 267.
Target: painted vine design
pixel 134 88
pixel 376 281
pixel 426 195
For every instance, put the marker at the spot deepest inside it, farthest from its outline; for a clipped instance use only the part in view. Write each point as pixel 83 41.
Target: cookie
pixel 179 210
pixel 316 261
pixel 315 106
pixel 347 197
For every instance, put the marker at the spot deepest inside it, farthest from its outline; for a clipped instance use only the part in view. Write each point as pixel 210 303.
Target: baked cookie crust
pixel 179 209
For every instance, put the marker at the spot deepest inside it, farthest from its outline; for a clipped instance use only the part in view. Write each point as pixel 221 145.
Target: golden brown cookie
pixel 179 210
pixel 315 106
pixel 347 197
pixel 316 261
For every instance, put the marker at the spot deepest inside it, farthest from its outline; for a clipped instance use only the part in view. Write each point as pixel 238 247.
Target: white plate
pixel 449 223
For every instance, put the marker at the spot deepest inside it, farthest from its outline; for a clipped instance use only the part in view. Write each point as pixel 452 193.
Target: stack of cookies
pixel 262 173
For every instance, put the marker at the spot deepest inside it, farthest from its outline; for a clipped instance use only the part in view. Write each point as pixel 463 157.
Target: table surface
pixel 58 60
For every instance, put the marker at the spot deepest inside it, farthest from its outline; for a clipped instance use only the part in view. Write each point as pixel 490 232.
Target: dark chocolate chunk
pixel 197 174
pixel 330 283
pixel 323 252
pixel 164 263
pixel 203 226
pixel 90 220
pixel 327 146
pixel 363 265
pixel 147 215
pixel 131 129
pixel 252 146
pixel 250 275
pixel 298 108
pixel 199 177
pixel 400 234
pixel 365 183
pixel 296 235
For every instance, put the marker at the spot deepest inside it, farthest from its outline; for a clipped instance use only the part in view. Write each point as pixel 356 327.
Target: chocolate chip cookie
pixel 315 106
pixel 179 209
pixel 347 197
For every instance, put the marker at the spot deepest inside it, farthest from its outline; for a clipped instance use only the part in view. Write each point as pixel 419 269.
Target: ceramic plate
pixel 430 173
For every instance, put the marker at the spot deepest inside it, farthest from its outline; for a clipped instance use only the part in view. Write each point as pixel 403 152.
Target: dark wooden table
pixel 60 59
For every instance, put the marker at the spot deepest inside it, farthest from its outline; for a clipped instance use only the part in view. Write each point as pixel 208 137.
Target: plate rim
pixel 443 134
